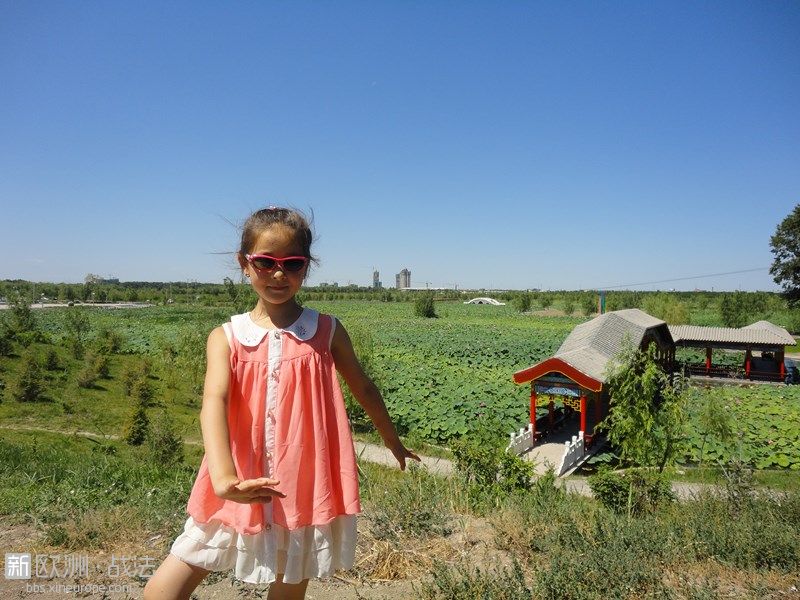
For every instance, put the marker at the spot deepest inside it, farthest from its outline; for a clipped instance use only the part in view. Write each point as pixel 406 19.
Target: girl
pixel 276 496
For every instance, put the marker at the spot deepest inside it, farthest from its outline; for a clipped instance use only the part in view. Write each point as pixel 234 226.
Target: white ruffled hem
pixel 304 553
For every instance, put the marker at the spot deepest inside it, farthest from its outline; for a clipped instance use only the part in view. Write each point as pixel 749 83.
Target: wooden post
pixel 708 361
pixel 533 410
pixel 551 415
pixel 583 415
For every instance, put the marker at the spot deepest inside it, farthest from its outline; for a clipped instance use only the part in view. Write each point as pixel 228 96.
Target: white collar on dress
pixel 250 334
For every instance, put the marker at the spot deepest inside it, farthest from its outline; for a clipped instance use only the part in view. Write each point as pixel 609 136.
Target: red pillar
pixel 781 356
pixel 747 358
pixel 708 361
pixel 533 410
pixel 551 416
pixel 583 414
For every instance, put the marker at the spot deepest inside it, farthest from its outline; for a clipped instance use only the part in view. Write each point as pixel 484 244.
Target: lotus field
pixel 440 377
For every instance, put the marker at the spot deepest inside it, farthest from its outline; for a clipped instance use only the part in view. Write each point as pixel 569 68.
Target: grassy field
pixel 440 377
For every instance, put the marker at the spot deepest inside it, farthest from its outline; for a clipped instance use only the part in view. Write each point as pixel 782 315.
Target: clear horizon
pixel 511 146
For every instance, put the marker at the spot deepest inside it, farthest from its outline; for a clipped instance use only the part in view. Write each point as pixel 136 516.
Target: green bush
pixel 605 557
pixel 133 373
pixel 143 391
pixel 521 302
pixel 138 425
pixel 761 533
pixel 29 385
pixel 78 327
pixel 109 341
pixel 633 492
pixel 461 581
pixel 165 445
pixel 51 360
pixel 489 472
pixel 525 524
pixel 423 306
pixel 87 377
pixel 23 321
pixel 588 305
pixel 6 339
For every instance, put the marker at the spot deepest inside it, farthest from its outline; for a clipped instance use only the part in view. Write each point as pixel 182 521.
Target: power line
pixel 612 287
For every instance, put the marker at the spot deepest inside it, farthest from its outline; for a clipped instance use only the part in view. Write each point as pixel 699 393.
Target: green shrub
pixel 605 557
pixel 101 364
pixel 461 581
pixel 23 320
pixel 192 359
pixel 588 305
pixel 423 306
pixel 546 301
pixel 131 374
pixel 29 385
pixel 78 327
pixel 521 302
pixel 51 360
pixel 524 524
pixel 490 473
pixel 633 492
pixel 569 307
pixel 109 341
pixel 87 377
pixel 137 427
pixel 761 533
pixel 165 445
pixel 143 391
pixel 6 339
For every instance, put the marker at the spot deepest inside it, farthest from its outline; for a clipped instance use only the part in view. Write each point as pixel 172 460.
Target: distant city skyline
pixel 485 145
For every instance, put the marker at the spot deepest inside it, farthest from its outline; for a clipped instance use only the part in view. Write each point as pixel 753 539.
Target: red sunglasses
pixel 265 262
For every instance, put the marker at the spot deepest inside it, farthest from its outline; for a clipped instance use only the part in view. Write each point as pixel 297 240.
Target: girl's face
pixel 277 285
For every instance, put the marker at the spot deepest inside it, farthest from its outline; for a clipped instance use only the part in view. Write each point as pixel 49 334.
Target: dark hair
pixel 267 217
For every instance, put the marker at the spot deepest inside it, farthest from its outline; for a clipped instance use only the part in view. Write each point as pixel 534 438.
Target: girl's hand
pixel 249 491
pixel 401 453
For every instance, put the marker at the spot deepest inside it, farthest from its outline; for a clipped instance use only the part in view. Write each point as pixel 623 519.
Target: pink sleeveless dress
pixel 287 421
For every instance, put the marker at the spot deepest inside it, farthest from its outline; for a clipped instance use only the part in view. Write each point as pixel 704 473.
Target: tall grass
pixel 84 494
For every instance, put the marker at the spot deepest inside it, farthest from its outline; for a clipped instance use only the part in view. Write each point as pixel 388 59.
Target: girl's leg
pixel 287 591
pixel 174 580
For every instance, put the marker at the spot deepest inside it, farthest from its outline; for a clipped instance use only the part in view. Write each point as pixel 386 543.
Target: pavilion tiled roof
pixel 592 345
pixel 760 333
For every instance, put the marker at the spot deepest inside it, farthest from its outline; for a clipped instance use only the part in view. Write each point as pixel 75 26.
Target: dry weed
pixel 390 560
pixel 730 582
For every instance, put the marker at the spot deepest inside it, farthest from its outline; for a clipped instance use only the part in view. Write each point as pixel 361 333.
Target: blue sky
pixel 559 145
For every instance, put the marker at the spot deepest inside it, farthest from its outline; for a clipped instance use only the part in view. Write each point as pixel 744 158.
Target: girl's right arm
pixel 214 425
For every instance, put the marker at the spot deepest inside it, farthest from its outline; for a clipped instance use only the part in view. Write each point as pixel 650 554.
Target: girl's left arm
pixel 367 394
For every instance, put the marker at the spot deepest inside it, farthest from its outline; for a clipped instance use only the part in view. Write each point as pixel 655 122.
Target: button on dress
pixel 287 421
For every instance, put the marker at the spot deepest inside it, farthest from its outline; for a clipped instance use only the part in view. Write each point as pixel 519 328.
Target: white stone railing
pixel 521 442
pixel 573 452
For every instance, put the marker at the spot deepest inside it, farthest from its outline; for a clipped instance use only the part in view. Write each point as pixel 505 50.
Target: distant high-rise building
pixel 376 280
pixel 403 279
